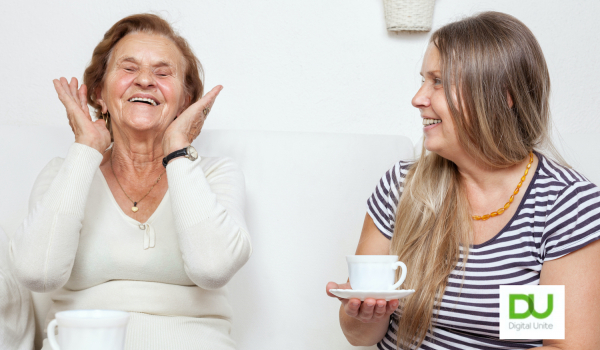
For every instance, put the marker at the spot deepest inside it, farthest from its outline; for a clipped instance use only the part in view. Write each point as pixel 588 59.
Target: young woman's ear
pixel 509 100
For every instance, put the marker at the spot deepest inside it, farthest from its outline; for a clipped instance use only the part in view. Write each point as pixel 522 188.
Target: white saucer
pixel 375 294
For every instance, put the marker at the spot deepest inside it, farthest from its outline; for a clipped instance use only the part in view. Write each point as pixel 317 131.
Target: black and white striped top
pixel 559 213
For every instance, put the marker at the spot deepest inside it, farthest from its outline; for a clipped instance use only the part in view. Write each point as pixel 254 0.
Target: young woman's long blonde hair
pixel 485 60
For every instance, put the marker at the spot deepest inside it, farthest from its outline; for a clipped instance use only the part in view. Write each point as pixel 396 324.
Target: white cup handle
pixel 403 277
pixel 51 336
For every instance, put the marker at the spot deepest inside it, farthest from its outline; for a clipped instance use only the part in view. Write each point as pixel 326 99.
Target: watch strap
pixel 178 153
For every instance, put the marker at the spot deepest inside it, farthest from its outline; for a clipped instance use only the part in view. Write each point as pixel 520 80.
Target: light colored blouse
pixel 168 272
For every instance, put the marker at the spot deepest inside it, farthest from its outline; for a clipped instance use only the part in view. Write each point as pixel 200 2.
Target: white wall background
pixel 310 65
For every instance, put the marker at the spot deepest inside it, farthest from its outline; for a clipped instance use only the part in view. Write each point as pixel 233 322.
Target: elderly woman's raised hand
pixel 185 128
pixel 87 132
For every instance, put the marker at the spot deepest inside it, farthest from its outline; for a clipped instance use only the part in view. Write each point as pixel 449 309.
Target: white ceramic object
pixel 387 295
pixel 374 272
pixel 89 330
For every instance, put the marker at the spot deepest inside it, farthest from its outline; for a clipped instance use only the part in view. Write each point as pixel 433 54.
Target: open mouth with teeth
pixel 427 122
pixel 144 100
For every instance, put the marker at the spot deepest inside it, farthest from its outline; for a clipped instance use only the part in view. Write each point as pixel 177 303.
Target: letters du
pixel 529 299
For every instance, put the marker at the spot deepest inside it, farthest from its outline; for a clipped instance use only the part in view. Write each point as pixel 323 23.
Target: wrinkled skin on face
pixel 144 92
pixel 146 66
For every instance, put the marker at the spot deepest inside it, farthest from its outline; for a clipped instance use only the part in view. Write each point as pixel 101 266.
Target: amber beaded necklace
pixel 511 199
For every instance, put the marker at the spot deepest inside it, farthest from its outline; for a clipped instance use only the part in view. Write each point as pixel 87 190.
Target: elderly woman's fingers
pixel 66 101
pixel 74 87
pixel 70 88
pixel 74 99
pixel 211 96
pixel 83 99
pixel 58 86
pixel 62 89
pixel 65 85
pixel 64 94
pixel 188 125
pixel 204 105
pixel 75 113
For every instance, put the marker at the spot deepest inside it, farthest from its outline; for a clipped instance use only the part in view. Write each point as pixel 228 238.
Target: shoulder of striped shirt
pixel 570 188
pixel 564 176
pixel 390 179
pixel 400 169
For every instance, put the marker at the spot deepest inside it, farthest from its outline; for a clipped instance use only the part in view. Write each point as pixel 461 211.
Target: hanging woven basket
pixel 408 15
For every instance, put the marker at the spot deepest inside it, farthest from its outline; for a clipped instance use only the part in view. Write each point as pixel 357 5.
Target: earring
pixel 106 117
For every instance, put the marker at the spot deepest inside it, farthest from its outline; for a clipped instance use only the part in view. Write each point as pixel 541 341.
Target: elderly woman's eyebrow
pixel 164 64
pixel 158 64
pixel 128 59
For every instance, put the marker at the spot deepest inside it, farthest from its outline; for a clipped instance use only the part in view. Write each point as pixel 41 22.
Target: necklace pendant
pixel 134 209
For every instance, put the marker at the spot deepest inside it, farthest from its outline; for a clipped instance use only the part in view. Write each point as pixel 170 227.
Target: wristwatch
pixel 189 152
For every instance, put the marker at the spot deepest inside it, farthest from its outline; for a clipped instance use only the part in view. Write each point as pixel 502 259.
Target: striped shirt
pixel 559 213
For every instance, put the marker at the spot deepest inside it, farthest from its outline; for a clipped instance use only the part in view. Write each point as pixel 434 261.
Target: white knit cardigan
pixel 168 272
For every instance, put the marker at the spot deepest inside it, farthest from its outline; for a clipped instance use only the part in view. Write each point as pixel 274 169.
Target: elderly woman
pixel 482 207
pixel 146 225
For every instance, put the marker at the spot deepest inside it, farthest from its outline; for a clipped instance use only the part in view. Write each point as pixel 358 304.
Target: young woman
pixel 483 206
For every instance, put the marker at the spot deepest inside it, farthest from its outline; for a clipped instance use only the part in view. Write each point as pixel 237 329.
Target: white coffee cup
pixel 89 330
pixel 374 272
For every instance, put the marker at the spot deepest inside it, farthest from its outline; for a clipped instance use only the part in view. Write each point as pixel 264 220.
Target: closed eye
pixel 162 73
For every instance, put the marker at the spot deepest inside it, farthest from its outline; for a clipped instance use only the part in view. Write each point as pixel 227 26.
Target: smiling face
pixel 143 87
pixel 438 127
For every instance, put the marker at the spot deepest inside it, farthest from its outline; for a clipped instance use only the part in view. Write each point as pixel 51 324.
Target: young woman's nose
pixel 421 98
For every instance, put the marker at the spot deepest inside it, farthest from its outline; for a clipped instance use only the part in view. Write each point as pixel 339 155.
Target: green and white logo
pixel 532 312
pixel 529 299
